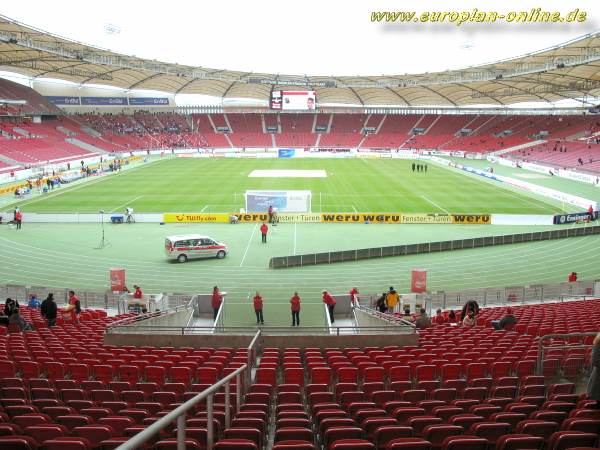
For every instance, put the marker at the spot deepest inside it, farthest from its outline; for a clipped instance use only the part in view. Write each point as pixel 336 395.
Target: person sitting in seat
pixel 16 318
pixel 439 318
pixel 407 315
pixel 507 323
pixel 451 316
pixel 422 321
pixel 469 320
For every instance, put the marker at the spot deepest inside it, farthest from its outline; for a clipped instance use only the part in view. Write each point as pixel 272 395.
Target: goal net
pixel 284 201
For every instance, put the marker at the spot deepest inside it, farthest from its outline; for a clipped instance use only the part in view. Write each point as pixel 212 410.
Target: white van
pixel 193 246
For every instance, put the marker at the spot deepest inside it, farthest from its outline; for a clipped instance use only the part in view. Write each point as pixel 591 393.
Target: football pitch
pixel 66 255
pixel 351 185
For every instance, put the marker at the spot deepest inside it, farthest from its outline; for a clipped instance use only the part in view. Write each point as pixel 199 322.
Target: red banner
pixel 418 281
pixel 117 280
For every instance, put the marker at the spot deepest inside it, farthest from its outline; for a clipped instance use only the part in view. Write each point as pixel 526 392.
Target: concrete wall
pixel 282 341
pixel 176 319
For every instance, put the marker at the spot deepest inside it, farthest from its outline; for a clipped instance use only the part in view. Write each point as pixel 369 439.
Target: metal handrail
pixel 566 336
pixel 385 316
pixel 264 329
pixel 252 352
pixel 179 414
pixel 130 320
pixel 220 319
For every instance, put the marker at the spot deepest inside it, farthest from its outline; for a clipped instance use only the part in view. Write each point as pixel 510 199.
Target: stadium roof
pixel 567 71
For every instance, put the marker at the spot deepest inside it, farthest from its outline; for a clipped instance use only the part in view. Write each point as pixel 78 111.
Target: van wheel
pixel 181 258
pixel 220 254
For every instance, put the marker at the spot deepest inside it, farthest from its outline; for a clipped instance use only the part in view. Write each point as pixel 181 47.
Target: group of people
pixel 295 302
pixel 419 167
pixel 388 301
pixel 48 310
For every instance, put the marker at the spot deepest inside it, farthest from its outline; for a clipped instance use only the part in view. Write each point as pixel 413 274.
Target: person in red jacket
pixel 138 294
pixel 295 302
pixel 330 302
pixel 18 219
pixel 353 296
pixel 258 308
pixel 439 318
pixel 216 300
pixel 263 230
pixel 572 277
pixel 75 306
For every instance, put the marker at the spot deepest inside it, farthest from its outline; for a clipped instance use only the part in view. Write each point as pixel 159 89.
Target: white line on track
pixel 294 238
pixel 435 204
pixel 249 242
pixel 354 208
pixel 204 209
pixel 125 204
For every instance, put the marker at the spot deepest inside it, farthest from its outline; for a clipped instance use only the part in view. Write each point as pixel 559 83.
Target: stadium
pixel 246 259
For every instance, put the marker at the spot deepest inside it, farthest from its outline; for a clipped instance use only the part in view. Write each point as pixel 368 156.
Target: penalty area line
pixel 435 204
pixel 125 204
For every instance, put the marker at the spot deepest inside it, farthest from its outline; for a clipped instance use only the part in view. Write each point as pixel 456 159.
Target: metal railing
pixel 265 330
pixel 253 349
pixel 134 320
pixel 89 299
pixel 385 316
pixel 219 324
pixel 511 295
pixel 179 414
pixel 562 337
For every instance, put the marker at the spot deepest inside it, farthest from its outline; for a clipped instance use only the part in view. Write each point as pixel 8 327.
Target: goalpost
pixel 284 201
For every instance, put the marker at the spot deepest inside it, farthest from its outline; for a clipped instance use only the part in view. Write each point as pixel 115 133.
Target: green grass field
pixel 218 185
pixel 65 255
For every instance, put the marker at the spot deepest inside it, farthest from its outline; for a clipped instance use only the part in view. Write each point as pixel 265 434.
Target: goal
pixel 284 201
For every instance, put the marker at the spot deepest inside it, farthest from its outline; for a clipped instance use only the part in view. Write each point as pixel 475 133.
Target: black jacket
pixel 48 309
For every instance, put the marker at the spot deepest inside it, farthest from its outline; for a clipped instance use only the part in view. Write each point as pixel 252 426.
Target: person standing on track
pixel 216 300
pixel 330 302
pixel 18 219
pixel 295 302
pixel 353 296
pixel 258 308
pixel 263 231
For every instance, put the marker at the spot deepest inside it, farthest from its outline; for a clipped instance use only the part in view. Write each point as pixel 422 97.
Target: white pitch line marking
pixel 354 208
pixel 125 204
pixel 294 239
pixel 249 242
pixel 435 204
pixel 204 209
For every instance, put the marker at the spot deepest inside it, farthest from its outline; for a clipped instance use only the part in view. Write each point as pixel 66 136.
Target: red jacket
pixel 73 301
pixel 137 293
pixel 572 277
pixel 439 320
pixel 264 228
pixel 328 299
pixel 216 300
pixel 295 301
pixel 18 216
pixel 258 303
pixel 353 292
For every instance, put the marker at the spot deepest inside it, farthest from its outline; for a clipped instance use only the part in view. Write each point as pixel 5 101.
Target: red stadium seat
pixel 518 442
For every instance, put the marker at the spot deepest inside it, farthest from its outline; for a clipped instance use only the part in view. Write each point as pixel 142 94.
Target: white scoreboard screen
pixel 294 100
